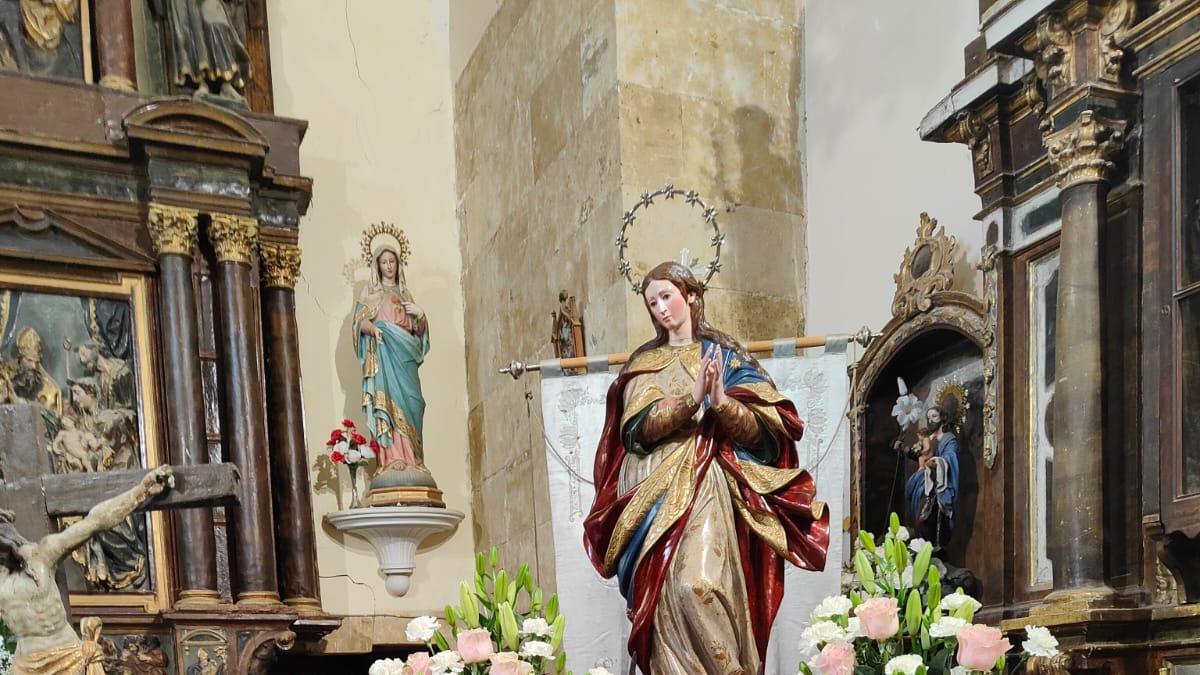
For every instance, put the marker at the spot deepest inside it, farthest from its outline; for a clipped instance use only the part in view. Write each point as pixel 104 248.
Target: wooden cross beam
pixel 37 496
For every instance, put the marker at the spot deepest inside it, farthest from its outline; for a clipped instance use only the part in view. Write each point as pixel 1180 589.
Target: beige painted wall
pixel 373 81
pixel 872 71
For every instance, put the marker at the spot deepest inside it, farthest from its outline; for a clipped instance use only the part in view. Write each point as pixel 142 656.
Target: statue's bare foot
pixel 159 479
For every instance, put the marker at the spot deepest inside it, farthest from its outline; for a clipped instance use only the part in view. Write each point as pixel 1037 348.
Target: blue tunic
pixel 914 488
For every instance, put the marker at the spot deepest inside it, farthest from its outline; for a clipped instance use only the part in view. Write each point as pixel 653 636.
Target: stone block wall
pixel 564 114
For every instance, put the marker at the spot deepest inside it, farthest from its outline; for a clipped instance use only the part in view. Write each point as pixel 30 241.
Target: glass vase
pixel 355 497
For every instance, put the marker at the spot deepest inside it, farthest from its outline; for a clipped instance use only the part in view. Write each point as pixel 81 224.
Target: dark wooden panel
pixel 76 493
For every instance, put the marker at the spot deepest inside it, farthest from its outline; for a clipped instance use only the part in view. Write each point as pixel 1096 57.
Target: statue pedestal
pixel 404 485
pixel 396 532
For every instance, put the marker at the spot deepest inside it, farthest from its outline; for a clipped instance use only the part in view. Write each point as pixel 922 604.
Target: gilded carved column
pixel 299 583
pixel 1082 153
pixel 173 232
pixel 243 408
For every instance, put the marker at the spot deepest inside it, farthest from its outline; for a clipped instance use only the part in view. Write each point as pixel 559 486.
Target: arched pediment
pixel 191 123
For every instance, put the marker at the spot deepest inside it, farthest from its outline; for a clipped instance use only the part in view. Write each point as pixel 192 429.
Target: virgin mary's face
pixel 387 267
pixel 667 305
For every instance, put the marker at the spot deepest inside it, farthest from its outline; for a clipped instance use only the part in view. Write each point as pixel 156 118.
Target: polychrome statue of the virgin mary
pixel 699 498
pixel 391 341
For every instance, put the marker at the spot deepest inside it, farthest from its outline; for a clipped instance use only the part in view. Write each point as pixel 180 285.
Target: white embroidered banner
pixel 573 409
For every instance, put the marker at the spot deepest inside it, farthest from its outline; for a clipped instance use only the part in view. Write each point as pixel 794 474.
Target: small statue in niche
pixel 931 492
pixel 207 52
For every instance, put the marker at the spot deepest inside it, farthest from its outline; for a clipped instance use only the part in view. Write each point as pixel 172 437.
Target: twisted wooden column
pixel 173 232
pixel 243 408
pixel 296 545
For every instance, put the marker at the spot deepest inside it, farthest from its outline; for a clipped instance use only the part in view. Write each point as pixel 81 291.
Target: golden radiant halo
pixel 691 198
pixel 390 234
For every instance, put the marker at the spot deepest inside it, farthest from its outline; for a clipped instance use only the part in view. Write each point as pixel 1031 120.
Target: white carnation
pixel 598 670
pixel 834 605
pixel 367 452
pixel 387 667
pixel 354 457
pixel 917 544
pixel 947 626
pixel 537 648
pixel 342 447
pixel 853 629
pixel 906 579
pixel 535 626
pixel 1040 642
pixel 446 662
pixel 905 665
pixel 421 629
pixel 902 533
pixel 819 633
pixel 956 600
pixel 959 670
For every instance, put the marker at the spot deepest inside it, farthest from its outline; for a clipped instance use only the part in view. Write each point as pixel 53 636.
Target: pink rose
pixel 837 658
pixel 507 663
pixel 475 645
pixel 980 647
pixel 880 618
pixel 418 663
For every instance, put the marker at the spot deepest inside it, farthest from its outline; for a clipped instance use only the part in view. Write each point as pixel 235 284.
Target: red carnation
pixel 358 439
pixel 374 446
pixel 337 457
pixel 348 424
pixel 336 435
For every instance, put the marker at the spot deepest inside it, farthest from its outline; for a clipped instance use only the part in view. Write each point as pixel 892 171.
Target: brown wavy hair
pixel 683 279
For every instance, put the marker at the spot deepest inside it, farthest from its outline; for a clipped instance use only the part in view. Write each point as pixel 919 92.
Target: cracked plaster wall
pixel 373 81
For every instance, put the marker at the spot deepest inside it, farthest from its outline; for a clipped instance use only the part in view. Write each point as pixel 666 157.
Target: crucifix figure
pixel 32 603
pixel 29 596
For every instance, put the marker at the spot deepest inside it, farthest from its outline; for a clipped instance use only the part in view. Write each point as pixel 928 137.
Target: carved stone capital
pixel 172 229
pixel 233 237
pixel 1083 152
pixel 280 264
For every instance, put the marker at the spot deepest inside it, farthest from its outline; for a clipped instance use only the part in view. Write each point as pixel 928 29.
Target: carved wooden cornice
pixel 1081 45
pixel 972 130
pixel 172 229
pixel 233 237
pixel 1054 54
pixel 280 264
pixel 1083 151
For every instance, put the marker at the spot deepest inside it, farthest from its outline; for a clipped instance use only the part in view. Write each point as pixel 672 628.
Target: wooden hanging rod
pixel 517 368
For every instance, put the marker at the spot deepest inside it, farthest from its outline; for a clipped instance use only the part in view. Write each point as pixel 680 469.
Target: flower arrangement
pixel 899 623
pixel 8 645
pixel 502 625
pixel 347 446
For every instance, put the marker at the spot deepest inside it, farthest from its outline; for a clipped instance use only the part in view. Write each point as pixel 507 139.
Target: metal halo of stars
pixel 668 192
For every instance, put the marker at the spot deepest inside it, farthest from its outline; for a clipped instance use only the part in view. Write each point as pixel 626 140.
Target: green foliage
pixel 500 603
